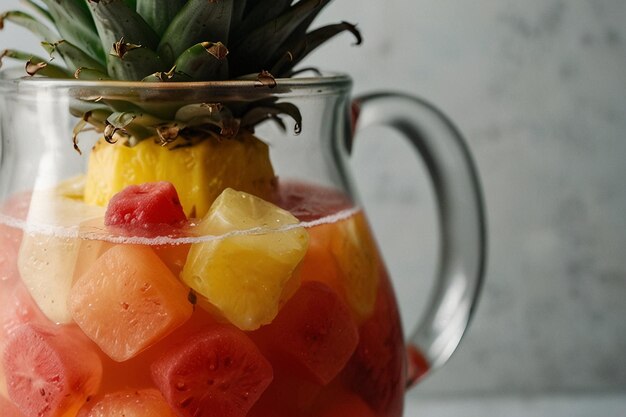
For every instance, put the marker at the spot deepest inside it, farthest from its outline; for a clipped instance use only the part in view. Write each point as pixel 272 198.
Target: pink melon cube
pixel 50 371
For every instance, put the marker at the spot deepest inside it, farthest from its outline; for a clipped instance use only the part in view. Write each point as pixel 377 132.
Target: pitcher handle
pixel 462 222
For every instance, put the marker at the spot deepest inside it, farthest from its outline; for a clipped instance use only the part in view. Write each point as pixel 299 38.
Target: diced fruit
pixel 341 254
pixel 16 305
pixel 344 256
pixel 46 264
pixel 244 275
pixel 217 372
pixel 145 205
pixel 73 188
pixel 4 393
pixel 16 308
pixel 418 365
pixel 346 404
pixel 313 333
pixel 199 172
pixel 91 248
pixel 50 372
pixel 130 403
pixel 135 373
pixel 289 394
pixel 377 370
pixel 8 409
pixel 46 260
pixel 358 259
pixel 128 300
pixel 319 263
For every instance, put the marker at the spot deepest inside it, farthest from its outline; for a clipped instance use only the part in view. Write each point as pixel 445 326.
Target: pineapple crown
pixel 172 40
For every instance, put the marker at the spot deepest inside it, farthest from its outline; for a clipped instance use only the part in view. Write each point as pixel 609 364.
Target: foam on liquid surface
pixel 303 200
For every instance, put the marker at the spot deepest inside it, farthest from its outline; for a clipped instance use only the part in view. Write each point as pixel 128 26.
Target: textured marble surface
pixel 539 89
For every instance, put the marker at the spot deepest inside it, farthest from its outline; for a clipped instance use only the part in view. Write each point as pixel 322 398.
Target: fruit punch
pixel 260 308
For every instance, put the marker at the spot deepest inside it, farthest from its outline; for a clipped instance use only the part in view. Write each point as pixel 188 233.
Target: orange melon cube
pixel 128 300
pixel 130 403
pixel 343 256
pixel 172 255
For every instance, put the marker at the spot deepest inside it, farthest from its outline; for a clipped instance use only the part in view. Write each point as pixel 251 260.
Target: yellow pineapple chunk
pixel 244 275
pixel 199 172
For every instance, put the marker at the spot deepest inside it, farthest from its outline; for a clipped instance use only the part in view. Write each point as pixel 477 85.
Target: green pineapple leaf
pixel 296 51
pixel 74 22
pixel 89 120
pixel 35 64
pixel 40 10
pixel 158 14
pixel 73 56
pixel 199 21
pixel 128 61
pixel 131 40
pixel 173 41
pixel 90 74
pixel 132 4
pixel 259 15
pixel 203 62
pixel 269 110
pixel 236 18
pixel 30 23
pixel 257 48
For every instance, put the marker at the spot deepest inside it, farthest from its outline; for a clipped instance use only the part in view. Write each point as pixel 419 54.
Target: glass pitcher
pixel 133 281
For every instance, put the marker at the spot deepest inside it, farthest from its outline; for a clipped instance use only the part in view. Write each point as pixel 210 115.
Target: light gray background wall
pixel 539 89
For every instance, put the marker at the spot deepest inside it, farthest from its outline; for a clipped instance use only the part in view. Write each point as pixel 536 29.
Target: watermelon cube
pixel 50 371
pixel 313 333
pixel 8 409
pixel 145 206
pixel 215 372
pixel 128 300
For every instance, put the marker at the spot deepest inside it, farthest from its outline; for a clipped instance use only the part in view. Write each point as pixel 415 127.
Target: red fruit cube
pixel 146 205
pixel 17 308
pixel 377 370
pixel 50 371
pixel 216 372
pixel 342 403
pixel 314 332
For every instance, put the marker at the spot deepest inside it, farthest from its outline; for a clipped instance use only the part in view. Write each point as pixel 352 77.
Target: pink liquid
pixel 362 374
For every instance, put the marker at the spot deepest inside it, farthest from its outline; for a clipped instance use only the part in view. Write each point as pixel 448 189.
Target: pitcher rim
pixel 318 84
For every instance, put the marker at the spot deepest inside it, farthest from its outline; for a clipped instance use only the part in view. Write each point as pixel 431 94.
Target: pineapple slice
pixel 245 276
pixel 199 172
